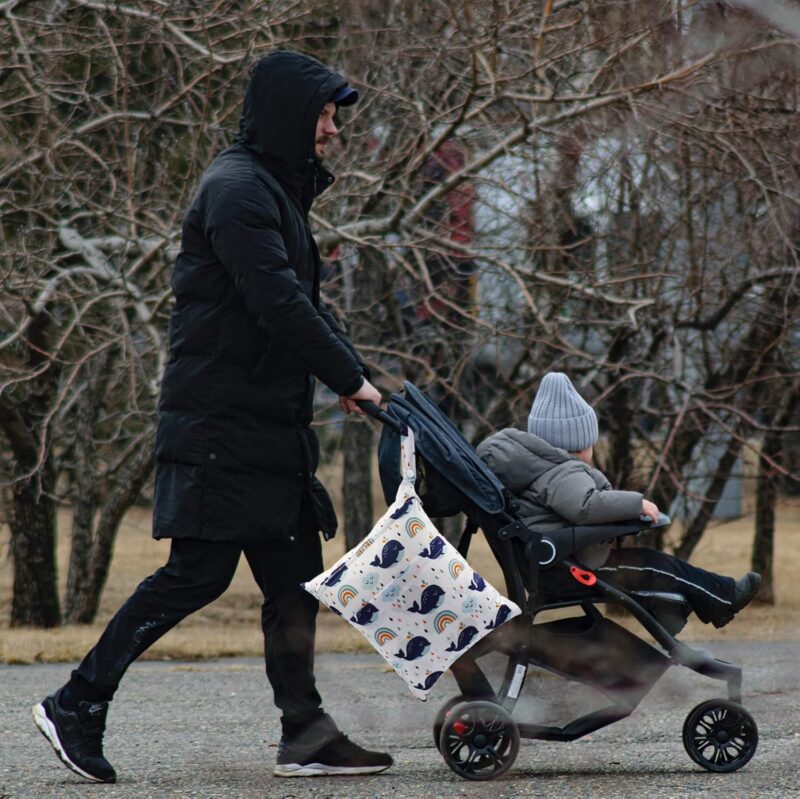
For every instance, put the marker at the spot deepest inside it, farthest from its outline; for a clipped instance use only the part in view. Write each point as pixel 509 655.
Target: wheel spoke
pixel 496 734
pixel 455 747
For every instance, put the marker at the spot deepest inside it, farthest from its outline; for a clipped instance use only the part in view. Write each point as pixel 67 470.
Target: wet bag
pixel 410 593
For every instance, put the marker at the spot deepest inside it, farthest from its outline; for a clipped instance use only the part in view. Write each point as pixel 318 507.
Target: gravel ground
pixel 209 729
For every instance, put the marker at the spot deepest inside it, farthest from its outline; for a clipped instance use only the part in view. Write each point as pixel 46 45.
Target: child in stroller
pixel 560 680
pixel 549 470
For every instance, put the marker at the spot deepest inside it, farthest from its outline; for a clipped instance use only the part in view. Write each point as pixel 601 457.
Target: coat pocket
pixel 179 495
pixel 323 508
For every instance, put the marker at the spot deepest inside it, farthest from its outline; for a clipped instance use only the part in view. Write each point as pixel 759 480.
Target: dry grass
pixel 230 626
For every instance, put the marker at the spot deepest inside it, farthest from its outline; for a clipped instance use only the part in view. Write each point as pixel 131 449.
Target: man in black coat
pixel 236 456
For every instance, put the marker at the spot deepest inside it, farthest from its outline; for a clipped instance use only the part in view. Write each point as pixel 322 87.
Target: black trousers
pixel 198 572
pixel 709 595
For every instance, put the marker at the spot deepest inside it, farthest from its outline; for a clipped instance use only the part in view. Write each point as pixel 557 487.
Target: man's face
pixel 326 129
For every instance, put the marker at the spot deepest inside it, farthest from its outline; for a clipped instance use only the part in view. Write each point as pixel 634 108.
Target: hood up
pixel 285 96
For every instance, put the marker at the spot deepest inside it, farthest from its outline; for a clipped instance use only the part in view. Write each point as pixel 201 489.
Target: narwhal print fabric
pixel 410 593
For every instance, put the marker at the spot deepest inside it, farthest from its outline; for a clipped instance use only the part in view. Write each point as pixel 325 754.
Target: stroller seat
pixel 559 544
pixel 558 586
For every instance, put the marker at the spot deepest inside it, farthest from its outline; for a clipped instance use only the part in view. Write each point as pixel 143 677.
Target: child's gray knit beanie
pixel 561 416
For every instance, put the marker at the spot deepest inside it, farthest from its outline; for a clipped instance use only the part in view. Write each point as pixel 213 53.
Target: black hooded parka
pixel 248 333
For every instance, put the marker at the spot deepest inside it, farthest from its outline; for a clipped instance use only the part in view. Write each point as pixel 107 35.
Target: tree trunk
pixel 764 540
pixel 132 478
pixel 714 491
pixel 357 439
pixel 84 497
pixel 766 496
pixel 33 548
pixel 33 520
pixel 619 416
pixel 357 479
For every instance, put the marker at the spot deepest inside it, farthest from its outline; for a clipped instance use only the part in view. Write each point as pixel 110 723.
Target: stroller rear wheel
pixel 479 740
pixel 720 735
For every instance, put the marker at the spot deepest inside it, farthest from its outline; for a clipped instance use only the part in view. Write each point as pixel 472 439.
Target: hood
pixel 286 93
pixel 519 458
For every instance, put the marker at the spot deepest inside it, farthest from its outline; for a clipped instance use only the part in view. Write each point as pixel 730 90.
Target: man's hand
pixel 366 392
pixel 650 509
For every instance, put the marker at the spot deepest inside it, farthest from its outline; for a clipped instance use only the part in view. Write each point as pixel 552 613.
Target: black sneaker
pixel 76 736
pixel 338 755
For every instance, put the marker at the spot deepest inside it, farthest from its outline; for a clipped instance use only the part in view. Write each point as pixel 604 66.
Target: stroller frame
pixel 475 732
pixel 603 592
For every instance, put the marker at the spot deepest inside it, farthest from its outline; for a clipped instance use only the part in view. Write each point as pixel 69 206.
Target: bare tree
pixel 604 189
pixel 106 125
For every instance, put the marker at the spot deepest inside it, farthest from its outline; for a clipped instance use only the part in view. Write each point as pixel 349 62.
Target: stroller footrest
pixel 662 596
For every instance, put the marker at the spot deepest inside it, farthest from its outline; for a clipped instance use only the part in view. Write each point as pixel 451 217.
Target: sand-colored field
pixel 230 626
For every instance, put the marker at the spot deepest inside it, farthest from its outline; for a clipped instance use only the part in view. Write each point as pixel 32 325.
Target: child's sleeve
pixel 572 493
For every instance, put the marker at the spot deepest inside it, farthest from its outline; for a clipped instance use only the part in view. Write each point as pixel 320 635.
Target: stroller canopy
pixel 443 449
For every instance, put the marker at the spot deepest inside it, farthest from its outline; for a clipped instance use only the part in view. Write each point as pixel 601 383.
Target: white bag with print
pixel 410 593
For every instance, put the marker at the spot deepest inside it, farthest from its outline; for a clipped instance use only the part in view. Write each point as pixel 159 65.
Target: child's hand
pixel 650 509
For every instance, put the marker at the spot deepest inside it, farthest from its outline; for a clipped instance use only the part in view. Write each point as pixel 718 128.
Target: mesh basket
pixel 546 699
pixel 577 666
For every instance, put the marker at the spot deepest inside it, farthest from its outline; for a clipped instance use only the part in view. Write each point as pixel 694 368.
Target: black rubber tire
pixel 720 735
pixel 479 740
pixel 441 714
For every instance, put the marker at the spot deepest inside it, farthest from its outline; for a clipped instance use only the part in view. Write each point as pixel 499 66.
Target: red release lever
pixel 582 576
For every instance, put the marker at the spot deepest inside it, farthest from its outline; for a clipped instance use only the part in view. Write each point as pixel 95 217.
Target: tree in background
pixel 631 177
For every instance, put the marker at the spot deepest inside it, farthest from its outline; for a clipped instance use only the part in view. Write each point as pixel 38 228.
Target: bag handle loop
pixel 408 461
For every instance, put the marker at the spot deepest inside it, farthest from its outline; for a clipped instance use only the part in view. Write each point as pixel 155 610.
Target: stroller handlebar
pixel 376 412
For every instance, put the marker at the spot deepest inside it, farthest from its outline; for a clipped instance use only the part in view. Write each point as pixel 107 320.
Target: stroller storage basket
pixel 597 651
pixel 575 666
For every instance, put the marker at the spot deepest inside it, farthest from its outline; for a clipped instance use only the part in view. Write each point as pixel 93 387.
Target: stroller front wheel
pixel 720 735
pixel 479 740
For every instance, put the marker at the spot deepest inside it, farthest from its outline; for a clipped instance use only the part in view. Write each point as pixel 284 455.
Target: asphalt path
pixel 209 729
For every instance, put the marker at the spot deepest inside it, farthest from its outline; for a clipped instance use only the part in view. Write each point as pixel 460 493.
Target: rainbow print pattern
pixel 346 594
pixel 443 620
pixel 414 527
pixel 456 568
pixel 384 636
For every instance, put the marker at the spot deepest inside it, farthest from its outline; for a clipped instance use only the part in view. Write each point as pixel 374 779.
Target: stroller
pixel 554 680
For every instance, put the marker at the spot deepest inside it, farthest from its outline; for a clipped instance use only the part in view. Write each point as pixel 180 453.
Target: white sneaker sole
pixel 321 770
pixel 47 729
